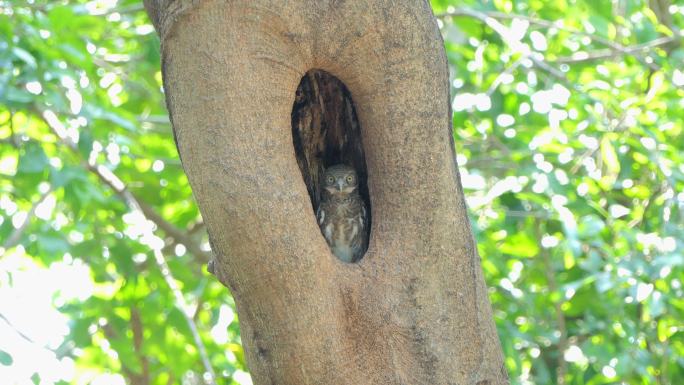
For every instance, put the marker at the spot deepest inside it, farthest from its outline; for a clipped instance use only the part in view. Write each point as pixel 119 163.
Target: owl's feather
pixel 342 214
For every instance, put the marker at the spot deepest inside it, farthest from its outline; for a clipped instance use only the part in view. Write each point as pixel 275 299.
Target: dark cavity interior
pixel 326 131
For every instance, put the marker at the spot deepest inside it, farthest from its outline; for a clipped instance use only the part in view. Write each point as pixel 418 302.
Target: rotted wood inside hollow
pixel 326 131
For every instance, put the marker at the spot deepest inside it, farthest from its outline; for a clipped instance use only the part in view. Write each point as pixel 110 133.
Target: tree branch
pixel 172 231
pixel 615 49
pixel 490 18
pixel 563 345
pixel 118 186
pixel 504 33
pixel 508 71
pixel 183 307
pixel 580 57
pixel 138 336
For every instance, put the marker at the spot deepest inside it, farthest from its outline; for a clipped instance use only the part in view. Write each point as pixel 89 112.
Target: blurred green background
pixel 568 123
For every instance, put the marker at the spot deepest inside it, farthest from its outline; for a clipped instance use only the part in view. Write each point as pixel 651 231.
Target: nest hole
pixel 326 132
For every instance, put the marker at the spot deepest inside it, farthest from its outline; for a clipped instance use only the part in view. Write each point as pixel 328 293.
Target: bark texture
pixel 414 310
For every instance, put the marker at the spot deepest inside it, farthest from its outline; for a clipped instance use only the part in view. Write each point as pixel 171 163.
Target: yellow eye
pixel 330 180
pixel 350 178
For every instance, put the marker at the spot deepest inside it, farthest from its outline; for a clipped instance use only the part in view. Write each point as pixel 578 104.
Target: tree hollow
pixel 326 132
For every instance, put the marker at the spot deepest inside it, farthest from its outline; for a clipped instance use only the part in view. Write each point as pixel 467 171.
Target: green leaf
pixel 24 56
pixel 65 175
pixel 520 245
pixel 16 95
pixel 33 159
pixel 5 358
pixel 85 143
pixel 609 156
pixel 590 226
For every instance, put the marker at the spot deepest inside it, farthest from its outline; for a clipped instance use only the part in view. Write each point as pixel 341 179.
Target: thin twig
pixel 508 71
pixel 13 137
pixel 527 214
pixel 183 307
pixel 563 345
pixel 580 57
pixel 134 378
pixel 118 186
pixel 14 237
pixel 616 49
pixel 138 337
pixel 134 204
pixel 19 332
pixel 129 9
pixel 172 231
pixel 505 35
pixel 196 227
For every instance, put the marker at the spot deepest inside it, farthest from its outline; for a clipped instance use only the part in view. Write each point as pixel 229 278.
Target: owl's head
pixel 340 179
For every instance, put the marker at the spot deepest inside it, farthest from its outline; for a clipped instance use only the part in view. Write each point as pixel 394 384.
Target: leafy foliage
pixel 568 123
pixel 85 142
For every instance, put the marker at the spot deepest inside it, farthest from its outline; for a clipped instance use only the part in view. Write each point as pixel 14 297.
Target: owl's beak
pixel 339 185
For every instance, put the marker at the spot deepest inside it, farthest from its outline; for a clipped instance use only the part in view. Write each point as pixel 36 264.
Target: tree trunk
pixel 415 309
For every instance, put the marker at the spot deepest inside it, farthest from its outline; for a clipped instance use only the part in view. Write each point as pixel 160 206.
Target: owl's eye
pixel 330 180
pixel 350 179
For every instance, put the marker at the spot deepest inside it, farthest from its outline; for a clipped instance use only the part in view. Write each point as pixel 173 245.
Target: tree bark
pixel 415 309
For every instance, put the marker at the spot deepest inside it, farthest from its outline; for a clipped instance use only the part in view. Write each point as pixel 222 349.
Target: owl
pixel 342 214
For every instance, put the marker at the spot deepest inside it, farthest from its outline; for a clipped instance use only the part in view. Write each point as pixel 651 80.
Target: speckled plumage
pixel 342 214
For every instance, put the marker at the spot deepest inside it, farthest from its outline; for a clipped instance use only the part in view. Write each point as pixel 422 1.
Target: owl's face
pixel 340 179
